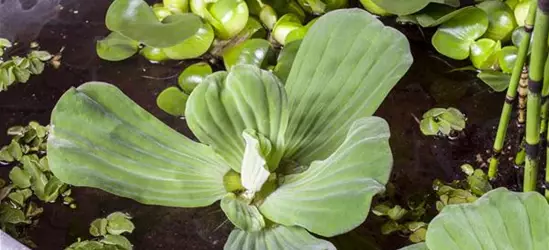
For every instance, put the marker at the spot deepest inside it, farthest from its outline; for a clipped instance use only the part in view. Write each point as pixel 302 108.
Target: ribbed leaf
pixel 100 138
pixel 276 238
pixel 333 196
pixel 346 65
pixel 226 104
pixel 500 219
pixel 242 215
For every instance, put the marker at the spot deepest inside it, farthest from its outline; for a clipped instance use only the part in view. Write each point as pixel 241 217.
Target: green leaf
pixel 117 240
pixel 418 246
pixel 321 193
pixel 228 17
pixel 193 75
pixel 9 214
pixel 154 55
pixel 454 37
pixel 5 154
pixel 19 197
pixel 501 20
pixel 173 101
pixel 284 26
pixel 254 51
pixel 116 47
pixel 38 178
pixel 86 245
pixel 299 33
pixel 484 53
pixel 496 80
pixel 435 14
pixel 99 227
pixel 136 20
pixel 177 5
pixel 36 66
pixel 506 58
pixel 405 7
pixel 286 60
pixel 20 178
pixel 14 149
pixel 254 166
pixel 345 66
pixel 500 219
pixel 242 215
pixel 128 152
pixel 434 112
pixel 194 46
pixel 119 223
pixel 5 43
pixel 51 190
pixel 42 55
pixel 226 104
pixel 278 237
pixel 455 118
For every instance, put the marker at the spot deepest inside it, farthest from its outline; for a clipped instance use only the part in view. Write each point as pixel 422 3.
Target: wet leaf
pixel 160 11
pixel 117 240
pixel 228 17
pixel 136 20
pixel 116 47
pixel 478 185
pixel 193 75
pixel 154 54
pixel 454 37
pixel 506 58
pixel 299 33
pixel 484 53
pixel 119 223
pixel 496 80
pixel 434 112
pixel 20 178
pixel 268 16
pixel 19 197
pixel 429 126
pixel 467 169
pixel 172 101
pixel 256 52
pixel 435 14
pixel 12 215
pixel 520 12
pixel 501 20
pixel 284 26
pixel 405 7
pixel 194 46
pixel 286 60
pixel 5 43
pixel 99 227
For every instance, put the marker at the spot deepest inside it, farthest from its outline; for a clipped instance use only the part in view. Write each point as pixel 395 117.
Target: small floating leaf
pixel 254 51
pixel 228 17
pixel 99 227
pixel 405 7
pixel 194 46
pixel 119 223
pixel 454 37
pixel 14 149
pixel 500 18
pixel 173 101
pixel 12 215
pixel 118 240
pixel 498 81
pixel 484 53
pixel 154 54
pixel 20 178
pixel 116 47
pixel 507 57
pixel 20 196
pixel 193 75
pixel 177 5
pixel 284 26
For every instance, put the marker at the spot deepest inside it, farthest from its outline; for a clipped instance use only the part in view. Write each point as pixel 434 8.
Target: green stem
pixel 537 66
pixel 511 93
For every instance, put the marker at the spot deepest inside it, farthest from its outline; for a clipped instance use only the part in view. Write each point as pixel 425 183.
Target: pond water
pixel 418 159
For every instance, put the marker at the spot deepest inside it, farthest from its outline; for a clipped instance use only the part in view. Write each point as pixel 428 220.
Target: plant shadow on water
pixel 418 159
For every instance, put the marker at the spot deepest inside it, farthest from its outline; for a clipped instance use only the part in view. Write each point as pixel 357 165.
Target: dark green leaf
pixel 286 60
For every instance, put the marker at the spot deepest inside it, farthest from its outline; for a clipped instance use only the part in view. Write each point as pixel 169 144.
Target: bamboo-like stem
pixel 546 162
pixel 511 92
pixel 533 106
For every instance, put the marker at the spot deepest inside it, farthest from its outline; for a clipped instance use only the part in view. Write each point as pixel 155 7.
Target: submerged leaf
pixel 277 237
pixel 128 152
pixel 321 194
pixel 334 81
pixel 116 47
pixel 136 20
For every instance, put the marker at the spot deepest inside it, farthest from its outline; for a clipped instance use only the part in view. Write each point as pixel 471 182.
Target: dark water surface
pixel 418 159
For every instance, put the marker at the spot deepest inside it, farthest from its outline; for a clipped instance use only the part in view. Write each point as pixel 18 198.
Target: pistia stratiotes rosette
pixel 284 160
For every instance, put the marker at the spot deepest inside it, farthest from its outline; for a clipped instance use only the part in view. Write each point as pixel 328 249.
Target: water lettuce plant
pixel 441 121
pixel 108 232
pixel 500 219
pixel 284 159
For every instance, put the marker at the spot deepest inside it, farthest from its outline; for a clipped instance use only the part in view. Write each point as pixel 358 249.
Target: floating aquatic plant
pixel 273 153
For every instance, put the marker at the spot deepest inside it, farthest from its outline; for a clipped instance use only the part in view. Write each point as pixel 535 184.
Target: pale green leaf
pixel 284 26
pixel 117 240
pixel 14 149
pixel 19 197
pixel 334 195
pixel 405 7
pixel 86 245
pixel 173 101
pixel 116 47
pixel 5 43
pixel 20 178
pixel 254 166
pixel 228 17
pixel 484 53
pixel 345 66
pixel 51 190
pixel 98 227
pixel 193 75
pixel 454 37
pixel 119 223
pixel 194 46
pixel 500 219
pixel 276 238
pixel 501 20
pixel 242 215
pixel 136 20
pixel 226 104
pixel 42 55
pixel 100 138
pixel 38 178
pixel 429 126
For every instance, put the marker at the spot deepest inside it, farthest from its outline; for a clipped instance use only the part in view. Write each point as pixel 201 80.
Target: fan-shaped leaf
pixel 345 66
pixel 242 215
pixel 333 196
pixel 100 138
